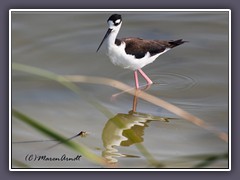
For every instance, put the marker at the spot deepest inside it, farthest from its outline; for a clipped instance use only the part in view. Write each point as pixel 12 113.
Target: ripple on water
pixel 175 81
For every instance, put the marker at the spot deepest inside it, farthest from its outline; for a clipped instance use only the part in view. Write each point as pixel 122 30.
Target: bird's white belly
pixel 119 57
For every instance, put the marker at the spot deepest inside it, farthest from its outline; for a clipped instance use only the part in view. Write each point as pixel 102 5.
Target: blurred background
pixel 193 76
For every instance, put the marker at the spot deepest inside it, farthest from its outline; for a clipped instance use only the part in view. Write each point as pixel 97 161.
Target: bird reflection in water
pixel 126 130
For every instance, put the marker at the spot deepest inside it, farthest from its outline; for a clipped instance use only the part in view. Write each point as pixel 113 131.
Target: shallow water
pixel 193 76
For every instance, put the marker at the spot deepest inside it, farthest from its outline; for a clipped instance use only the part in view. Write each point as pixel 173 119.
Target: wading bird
pixel 133 53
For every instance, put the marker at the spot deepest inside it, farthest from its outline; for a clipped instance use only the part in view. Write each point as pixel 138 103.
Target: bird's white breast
pixel 120 58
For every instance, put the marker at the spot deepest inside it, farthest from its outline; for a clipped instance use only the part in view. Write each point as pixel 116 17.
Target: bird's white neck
pixel 113 35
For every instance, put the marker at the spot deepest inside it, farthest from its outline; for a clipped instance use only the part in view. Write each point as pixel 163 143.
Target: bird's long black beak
pixel 106 35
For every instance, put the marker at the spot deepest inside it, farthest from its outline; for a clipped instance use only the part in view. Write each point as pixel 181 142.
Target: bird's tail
pixel 176 43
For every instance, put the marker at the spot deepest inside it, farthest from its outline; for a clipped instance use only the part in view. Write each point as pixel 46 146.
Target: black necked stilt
pixel 133 53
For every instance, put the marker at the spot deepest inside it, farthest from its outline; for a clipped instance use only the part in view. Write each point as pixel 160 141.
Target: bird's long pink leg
pixel 136 79
pixel 149 81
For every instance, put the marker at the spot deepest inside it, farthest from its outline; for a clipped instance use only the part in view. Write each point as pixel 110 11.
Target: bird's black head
pixel 115 18
pixel 114 24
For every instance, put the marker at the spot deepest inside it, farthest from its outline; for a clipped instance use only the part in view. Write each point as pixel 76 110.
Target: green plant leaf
pixel 83 150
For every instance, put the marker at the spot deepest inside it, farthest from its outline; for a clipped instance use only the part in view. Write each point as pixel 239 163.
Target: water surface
pixel 193 76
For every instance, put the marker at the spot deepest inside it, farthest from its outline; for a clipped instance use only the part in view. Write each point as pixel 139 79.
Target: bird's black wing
pixel 139 47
